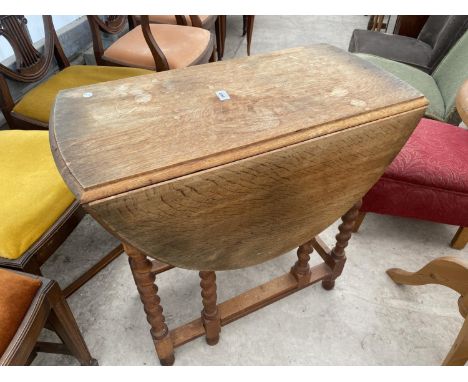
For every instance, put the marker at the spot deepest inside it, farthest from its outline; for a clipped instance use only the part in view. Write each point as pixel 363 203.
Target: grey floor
pixel 365 320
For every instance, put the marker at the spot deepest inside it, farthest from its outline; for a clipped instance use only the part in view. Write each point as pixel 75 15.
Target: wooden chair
pixel 429 178
pixel 38 211
pixel 150 46
pixel 33 109
pixel 451 272
pixel 208 22
pixel 28 304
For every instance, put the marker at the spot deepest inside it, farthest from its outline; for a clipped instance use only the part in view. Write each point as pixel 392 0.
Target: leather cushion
pixel 428 179
pixel 182 46
pixel 16 294
pixel 416 78
pixel 32 193
pixel 37 103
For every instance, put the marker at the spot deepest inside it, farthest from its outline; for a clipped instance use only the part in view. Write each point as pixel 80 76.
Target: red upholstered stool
pixel 427 180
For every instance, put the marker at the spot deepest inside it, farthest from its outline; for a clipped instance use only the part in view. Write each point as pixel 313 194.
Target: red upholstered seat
pixel 428 179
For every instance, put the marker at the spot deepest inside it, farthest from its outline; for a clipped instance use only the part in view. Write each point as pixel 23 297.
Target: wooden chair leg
pixel 145 282
pixel 219 36
pixel 250 25
pixel 460 239
pixel 359 220
pixel 338 252
pixel 64 324
pixel 451 272
pixel 210 314
pixel 458 354
pixel 301 269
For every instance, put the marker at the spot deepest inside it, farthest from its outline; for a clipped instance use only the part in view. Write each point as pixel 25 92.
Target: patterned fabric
pixel 428 179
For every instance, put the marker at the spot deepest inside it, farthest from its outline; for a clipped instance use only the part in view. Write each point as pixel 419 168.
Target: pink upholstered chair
pixel 429 178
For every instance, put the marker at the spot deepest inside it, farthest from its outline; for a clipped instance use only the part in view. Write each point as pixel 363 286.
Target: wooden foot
pixel 301 269
pixel 62 321
pixel 359 221
pixel 460 239
pixel 145 281
pixel 451 272
pixel 342 239
pixel 210 315
pixel 250 25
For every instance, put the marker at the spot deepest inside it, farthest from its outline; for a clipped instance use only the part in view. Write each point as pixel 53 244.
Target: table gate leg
pixel 301 269
pixel 210 314
pixel 342 239
pixel 145 282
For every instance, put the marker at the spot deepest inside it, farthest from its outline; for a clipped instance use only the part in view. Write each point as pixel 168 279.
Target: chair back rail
pixel 116 24
pixel 31 65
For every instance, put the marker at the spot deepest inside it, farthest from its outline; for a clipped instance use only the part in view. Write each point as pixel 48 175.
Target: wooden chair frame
pixel 31 65
pixel 32 260
pixel 116 24
pixel 451 272
pixel 48 309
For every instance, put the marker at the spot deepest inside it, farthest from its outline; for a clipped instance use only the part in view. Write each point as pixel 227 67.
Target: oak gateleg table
pixel 188 178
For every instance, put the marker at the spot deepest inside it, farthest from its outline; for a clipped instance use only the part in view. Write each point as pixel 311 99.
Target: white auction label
pixel 223 95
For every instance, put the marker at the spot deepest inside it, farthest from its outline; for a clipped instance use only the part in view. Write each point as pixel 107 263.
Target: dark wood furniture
pixel 48 309
pixel 409 25
pixel 247 29
pixel 257 175
pixel 156 47
pixel 451 272
pixel 31 65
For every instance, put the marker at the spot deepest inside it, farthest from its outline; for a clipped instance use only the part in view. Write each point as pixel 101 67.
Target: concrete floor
pixel 365 320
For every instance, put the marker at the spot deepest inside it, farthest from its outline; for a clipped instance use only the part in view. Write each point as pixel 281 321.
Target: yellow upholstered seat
pixel 37 103
pixel 32 193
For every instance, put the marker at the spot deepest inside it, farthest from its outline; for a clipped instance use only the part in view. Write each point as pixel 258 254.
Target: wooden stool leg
pixel 458 354
pixel 145 282
pixel 460 239
pixel 342 239
pixel 210 314
pixel 301 269
pixel 62 321
pixel 451 272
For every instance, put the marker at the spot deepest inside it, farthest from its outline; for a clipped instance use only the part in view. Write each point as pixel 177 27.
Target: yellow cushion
pixel 32 193
pixel 36 104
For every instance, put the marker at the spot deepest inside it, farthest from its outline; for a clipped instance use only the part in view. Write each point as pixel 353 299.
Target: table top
pixel 118 136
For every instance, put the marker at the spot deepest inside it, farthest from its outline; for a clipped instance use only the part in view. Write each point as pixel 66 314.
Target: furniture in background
pixel 247 29
pixel 32 111
pixel 451 272
pixel 409 25
pixel 376 23
pixel 28 304
pixel 425 52
pixel 266 180
pixel 149 46
pixel 429 178
pixel 37 209
pixel 208 22
pixel 441 87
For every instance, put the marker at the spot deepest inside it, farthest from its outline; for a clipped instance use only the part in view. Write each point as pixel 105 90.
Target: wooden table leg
pixel 145 282
pixel 342 239
pixel 301 269
pixel 210 314
pixel 451 272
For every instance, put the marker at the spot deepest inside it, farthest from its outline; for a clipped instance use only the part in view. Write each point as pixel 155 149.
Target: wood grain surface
pixel 144 130
pixel 251 210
